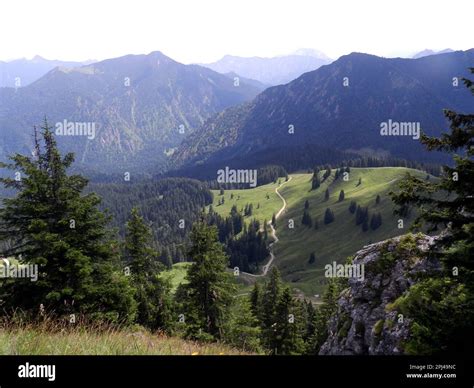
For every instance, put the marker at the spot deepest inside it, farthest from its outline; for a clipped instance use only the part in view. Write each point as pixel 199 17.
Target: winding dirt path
pixel 267 266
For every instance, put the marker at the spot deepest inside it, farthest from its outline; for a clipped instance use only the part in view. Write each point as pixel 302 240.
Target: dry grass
pixel 61 338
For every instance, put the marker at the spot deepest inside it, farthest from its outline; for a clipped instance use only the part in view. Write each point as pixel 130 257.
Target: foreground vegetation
pixel 45 339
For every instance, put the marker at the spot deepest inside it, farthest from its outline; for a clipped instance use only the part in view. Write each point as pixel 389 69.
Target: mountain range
pixel 22 72
pixel 140 107
pixel 341 106
pixel 152 114
pixel 272 71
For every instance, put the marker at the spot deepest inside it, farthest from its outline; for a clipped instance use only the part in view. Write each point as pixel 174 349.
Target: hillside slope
pixel 332 242
pixel 340 106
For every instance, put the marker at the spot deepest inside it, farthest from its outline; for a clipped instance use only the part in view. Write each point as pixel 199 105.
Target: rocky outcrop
pixel 366 320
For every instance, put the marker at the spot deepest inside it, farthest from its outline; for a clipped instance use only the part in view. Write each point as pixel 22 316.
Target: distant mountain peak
pixel 428 52
pixel 38 58
pixel 274 70
pixel 31 70
pixel 157 54
pixel 309 52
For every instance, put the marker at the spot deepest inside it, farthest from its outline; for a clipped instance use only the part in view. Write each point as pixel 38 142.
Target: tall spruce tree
pixel 287 326
pixel 209 289
pixel 271 295
pixel 140 255
pixel 154 303
pixel 49 222
pixel 256 300
pixel 442 306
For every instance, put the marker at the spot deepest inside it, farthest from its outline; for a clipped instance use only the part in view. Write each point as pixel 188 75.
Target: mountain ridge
pixel 142 105
pixel 23 72
pixel 271 70
pixel 322 111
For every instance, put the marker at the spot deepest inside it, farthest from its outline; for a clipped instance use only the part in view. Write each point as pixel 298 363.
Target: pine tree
pixel 362 215
pixel 154 303
pixel 274 220
pixel 326 195
pixel 327 173
pixel 139 254
pixel 352 207
pixel 307 220
pixel 306 204
pixel 341 196
pixel 209 289
pixel 50 223
pixel 256 300
pixel 241 328
pixel 287 331
pixel 328 216
pixel 315 181
pixel 312 258
pixel 310 320
pixel 271 295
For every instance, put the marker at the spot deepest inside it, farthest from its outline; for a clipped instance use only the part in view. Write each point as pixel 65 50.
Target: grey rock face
pixel 365 323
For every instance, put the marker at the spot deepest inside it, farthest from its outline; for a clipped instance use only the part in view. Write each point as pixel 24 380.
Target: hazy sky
pixel 205 30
